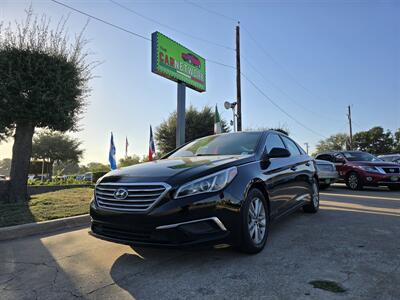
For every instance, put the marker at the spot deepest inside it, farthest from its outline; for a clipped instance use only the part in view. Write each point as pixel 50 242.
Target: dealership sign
pixel 178 63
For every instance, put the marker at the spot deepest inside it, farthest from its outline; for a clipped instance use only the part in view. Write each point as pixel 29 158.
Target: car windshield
pixel 225 144
pixel 360 156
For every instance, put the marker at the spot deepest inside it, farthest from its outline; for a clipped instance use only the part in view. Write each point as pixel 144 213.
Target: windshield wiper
pixel 200 154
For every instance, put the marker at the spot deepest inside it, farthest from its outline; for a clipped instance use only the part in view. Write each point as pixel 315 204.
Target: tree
pixel 56 147
pixel 129 161
pixel 374 140
pixel 97 167
pixel 5 166
pixel 66 168
pixel 397 141
pixel 337 141
pixel 197 123
pixel 43 84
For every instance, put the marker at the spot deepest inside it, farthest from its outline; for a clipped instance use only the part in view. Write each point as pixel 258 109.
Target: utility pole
pixel 238 86
pixel 307 146
pixel 350 127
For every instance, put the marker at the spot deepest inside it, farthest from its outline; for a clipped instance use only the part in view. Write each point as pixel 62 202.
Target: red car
pixel 191 59
pixel 359 169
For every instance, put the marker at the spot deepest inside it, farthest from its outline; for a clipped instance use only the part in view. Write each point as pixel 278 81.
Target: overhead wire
pixel 101 20
pixel 280 108
pixel 170 27
pixel 209 60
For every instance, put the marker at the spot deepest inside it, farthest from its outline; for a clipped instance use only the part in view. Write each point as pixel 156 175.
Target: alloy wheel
pixel 353 181
pixel 257 220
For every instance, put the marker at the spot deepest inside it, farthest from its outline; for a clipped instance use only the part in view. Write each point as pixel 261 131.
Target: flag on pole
pixel 111 154
pixel 126 147
pixel 152 147
pixel 217 122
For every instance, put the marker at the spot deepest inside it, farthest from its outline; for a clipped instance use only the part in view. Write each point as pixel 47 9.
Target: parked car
pixel 85 177
pixel 359 169
pixel 327 173
pixel 220 189
pixel 391 158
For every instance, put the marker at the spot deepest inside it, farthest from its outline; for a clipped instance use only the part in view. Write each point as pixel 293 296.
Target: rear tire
pixel 353 181
pixel 313 206
pixel 255 222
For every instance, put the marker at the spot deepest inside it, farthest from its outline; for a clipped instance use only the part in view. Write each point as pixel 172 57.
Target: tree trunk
pixel 51 164
pixel 22 150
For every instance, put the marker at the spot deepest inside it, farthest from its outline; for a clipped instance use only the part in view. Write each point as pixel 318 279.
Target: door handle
pixel 294 168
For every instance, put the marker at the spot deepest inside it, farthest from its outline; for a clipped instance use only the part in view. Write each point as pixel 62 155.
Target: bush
pixel 59 181
pixel 97 175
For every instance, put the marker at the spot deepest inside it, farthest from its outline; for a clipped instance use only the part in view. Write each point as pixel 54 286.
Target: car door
pixel 302 172
pixel 340 163
pixel 278 177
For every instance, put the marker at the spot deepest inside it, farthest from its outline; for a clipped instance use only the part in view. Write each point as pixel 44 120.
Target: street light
pixel 229 105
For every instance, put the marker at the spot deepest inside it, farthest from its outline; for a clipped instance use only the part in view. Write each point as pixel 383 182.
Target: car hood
pixel 176 169
pixel 383 164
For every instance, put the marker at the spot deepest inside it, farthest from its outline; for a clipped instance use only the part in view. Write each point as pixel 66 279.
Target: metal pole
pixel 306 144
pixel 350 127
pixel 234 121
pixel 180 114
pixel 238 84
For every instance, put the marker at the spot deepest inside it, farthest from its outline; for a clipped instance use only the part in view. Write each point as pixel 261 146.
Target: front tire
pixel 353 181
pixel 255 222
pixel 313 206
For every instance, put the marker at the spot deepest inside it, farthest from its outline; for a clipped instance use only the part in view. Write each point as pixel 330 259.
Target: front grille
pixel 389 170
pixel 325 167
pixel 129 196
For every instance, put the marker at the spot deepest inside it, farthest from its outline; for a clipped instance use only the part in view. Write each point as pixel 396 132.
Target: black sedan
pixel 220 189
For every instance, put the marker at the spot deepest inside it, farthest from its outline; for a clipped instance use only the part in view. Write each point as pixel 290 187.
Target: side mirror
pixel 276 153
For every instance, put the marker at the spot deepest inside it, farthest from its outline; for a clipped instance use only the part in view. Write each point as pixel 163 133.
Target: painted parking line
pixel 359 196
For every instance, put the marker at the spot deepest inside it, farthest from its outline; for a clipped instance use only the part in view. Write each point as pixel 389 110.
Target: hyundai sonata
pixel 220 189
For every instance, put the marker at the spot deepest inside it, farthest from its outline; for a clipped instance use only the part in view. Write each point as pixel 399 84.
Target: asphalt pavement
pixel 350 247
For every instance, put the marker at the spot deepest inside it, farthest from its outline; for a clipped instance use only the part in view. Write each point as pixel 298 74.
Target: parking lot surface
pixel 353 241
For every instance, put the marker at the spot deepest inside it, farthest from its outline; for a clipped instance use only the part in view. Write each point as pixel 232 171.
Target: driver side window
pixel 273 141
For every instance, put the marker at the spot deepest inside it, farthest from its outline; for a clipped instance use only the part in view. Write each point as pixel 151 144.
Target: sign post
pixel 177 63
pixel 180 115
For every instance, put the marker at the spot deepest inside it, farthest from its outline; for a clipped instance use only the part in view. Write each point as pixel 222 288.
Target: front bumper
pixel 374 179
pixel 328 177
pixel 202 219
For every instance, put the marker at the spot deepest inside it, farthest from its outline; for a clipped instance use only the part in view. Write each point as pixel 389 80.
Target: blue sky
pixel 319 57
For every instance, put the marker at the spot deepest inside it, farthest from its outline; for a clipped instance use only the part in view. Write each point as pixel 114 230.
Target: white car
pixel 327 173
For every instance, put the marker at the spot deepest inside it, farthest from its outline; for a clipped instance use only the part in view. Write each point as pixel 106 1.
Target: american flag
pixel 152 147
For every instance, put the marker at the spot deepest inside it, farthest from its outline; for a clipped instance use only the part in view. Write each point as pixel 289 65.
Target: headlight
pixel 210 183
pixel 372 169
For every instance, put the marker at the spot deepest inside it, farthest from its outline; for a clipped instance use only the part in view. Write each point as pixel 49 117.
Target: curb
pixel 24 230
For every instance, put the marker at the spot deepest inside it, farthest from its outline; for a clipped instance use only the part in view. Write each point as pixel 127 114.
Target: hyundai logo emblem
pixel 121 194
pixel 391 170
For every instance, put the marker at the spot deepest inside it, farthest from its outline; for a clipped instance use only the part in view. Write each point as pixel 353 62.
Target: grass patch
pixel 47 206
pixel 327 285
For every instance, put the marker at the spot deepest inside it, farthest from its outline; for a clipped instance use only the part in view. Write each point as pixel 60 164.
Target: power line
pixel 211 11
pixel 170 27
pixel 128 31
pixel 293 78
pixel 101 20
pixel 285 93
pixel 280 108
pixel 209 60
